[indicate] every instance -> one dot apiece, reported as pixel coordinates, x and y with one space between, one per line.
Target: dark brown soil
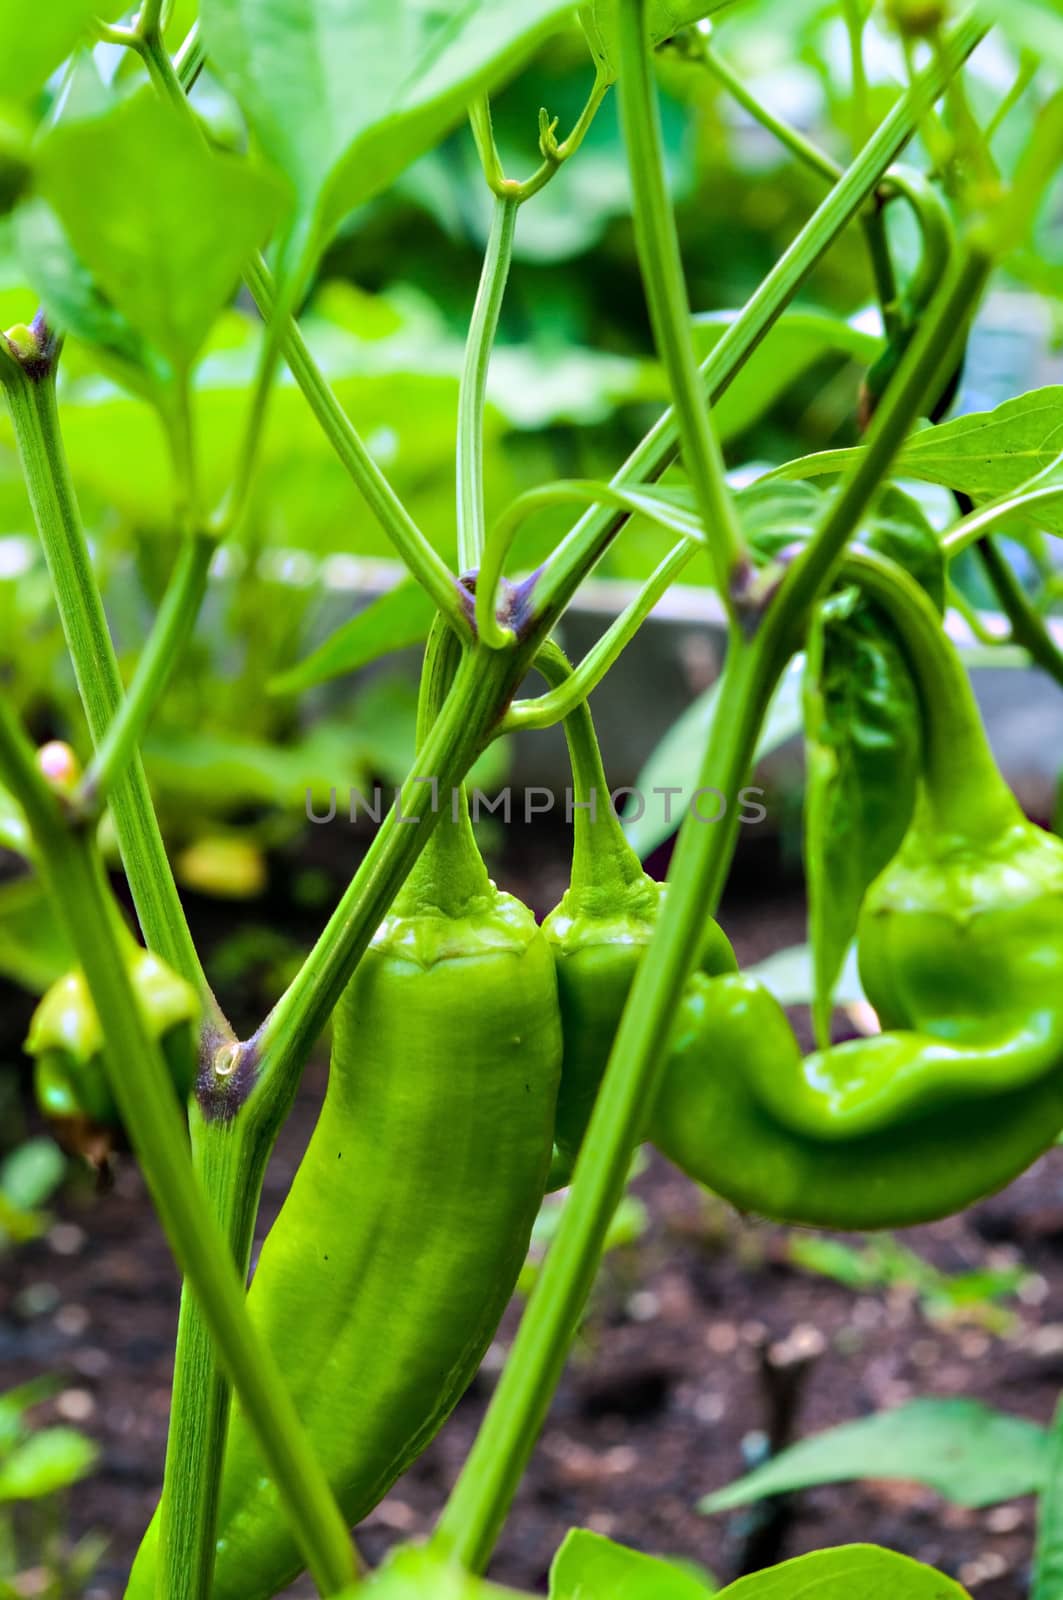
665 1388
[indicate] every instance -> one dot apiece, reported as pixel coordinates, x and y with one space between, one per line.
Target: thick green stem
473 391
141 1086
966 793
230 1164
591 536
969 529
170 632
662 274
34 414
477 1508
603 862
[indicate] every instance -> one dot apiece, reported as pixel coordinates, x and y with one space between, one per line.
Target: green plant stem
479 1503
472 393
430 570
854 27
1027 625
169 634
424 563
1048 1549
963 785
574 686
819 162
661 265
805 151
230 1161
34 414
984 635
141 1086
483 683
603 862
591 536
672 516
969 529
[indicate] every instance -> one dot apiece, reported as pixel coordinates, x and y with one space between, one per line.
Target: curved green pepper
65 1038
960 945
599 931
383 1279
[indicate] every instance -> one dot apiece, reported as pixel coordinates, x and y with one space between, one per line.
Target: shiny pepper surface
960 946
66 1040
598 933
384 1277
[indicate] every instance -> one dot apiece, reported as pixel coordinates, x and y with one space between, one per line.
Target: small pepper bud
67 1042
60 766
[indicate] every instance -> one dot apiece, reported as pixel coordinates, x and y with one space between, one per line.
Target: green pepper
960 944
599 931
65 1038
383 1279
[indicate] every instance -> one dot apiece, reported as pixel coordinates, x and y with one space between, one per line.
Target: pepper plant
478 1060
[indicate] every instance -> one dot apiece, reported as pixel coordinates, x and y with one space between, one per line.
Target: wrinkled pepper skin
960 947
386 1273
597 949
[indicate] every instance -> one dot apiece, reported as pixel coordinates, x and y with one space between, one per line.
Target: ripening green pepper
598 933
383 1279
65 1038
960 944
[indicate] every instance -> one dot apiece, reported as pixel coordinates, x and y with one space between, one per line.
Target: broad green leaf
968 1453
984 454
676 761
663 19
140 194
342 96
73 299
590 1567
397 619
33 949
14 1403
863 758
54 1459
35 38
855 1570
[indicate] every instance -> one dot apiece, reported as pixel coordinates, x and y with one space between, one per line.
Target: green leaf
863 757
73 300
139 194
31 1173
590 1567
35 38
984 454
968 1453
46 1462
852 1570
676 761
14 834
343 96
33 948
663 19
400 618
